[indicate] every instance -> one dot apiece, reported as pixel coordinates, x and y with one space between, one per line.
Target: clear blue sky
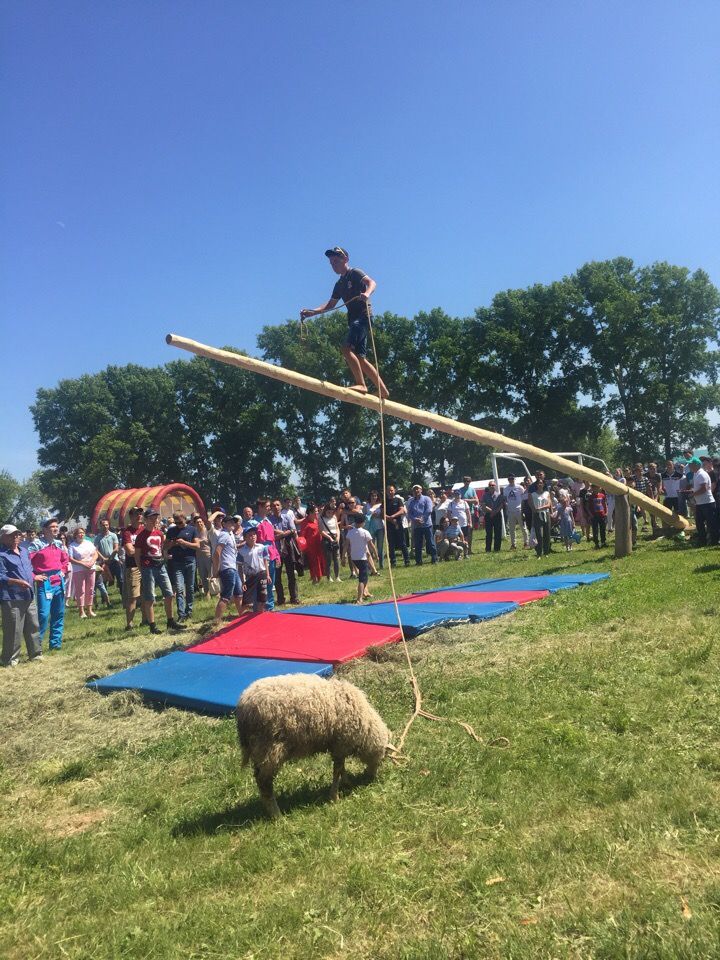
174 165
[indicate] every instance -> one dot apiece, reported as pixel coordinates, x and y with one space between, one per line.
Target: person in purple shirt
419 513
17 599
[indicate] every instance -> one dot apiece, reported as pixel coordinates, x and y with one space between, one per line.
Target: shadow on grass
244 816
707 568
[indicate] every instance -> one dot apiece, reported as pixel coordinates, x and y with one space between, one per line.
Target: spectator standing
83 557
583 515
17 599
597 502
514 500
131 581
225 568
50 563
670 481
298 509
375 525
459 510
541 506
705 515
107 545
442 507
204 555
567 522
360 542
253 564
419 511
151 559
183 544
330 534
285 541
394 513
266 535
310 529
470 497
492 504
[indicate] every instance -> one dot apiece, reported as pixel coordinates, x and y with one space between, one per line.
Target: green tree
654 349
531 366
117 428
9 489
234 445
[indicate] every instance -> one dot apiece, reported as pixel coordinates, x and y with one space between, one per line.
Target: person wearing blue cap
355 289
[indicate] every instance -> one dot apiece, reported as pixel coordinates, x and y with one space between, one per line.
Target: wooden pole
431 420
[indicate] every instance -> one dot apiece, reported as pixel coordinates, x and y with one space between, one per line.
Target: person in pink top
83 557
266 535
50 562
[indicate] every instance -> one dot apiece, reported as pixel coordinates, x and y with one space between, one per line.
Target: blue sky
182 166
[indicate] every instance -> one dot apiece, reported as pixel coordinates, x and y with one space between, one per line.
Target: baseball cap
151 513
47 521
7 529
226 518
694 462
337 252
251 528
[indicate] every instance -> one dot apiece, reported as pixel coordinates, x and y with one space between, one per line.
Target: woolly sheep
298 715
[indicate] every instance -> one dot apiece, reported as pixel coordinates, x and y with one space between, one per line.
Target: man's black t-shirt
351 285
393 505
188 533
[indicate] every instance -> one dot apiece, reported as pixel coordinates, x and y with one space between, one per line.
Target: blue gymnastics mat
209 683
551 583
416 617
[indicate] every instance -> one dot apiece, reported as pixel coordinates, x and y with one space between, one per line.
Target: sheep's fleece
297 715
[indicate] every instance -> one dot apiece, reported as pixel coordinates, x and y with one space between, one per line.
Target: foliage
616 361
22 503
654 345
9 489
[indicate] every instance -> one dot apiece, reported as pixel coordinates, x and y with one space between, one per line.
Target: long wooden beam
431 420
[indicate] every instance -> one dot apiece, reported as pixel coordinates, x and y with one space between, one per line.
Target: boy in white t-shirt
253 560
359 541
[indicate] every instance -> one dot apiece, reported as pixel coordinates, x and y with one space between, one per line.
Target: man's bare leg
355 369
369 370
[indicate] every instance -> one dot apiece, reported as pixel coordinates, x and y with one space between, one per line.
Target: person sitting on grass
225 568
150 556
253 561
361 542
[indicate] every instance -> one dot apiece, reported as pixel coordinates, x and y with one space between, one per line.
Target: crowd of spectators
251 558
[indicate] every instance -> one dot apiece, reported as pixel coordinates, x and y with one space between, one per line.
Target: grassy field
586 825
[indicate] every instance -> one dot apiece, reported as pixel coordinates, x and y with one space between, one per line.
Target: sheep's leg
264 781
338 771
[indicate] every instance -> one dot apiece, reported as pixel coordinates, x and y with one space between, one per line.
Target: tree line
616 360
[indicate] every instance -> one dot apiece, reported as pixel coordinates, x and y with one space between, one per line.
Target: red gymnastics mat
282 636
470 596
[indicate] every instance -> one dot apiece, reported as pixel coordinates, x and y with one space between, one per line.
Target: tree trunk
623 527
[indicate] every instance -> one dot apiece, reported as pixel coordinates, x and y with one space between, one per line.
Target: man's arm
370 287
316 311
216 560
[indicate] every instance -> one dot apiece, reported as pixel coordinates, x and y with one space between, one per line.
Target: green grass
592 830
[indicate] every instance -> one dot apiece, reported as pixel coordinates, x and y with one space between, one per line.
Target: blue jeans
423 536
379 538
182 575
51 609
270 605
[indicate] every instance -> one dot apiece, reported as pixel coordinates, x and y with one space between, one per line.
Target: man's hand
305 313
40 578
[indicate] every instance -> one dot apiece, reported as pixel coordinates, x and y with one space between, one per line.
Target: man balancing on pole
355 289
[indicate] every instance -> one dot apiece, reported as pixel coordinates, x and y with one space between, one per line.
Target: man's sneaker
174 625
154 628
129 626
38 656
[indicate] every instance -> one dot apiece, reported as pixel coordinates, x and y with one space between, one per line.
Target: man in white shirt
705 514
443 506
514 495
360 541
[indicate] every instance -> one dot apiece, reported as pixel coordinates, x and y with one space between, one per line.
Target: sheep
298 715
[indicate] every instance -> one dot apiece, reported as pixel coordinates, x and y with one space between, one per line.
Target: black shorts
363 570
255 591
357 337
